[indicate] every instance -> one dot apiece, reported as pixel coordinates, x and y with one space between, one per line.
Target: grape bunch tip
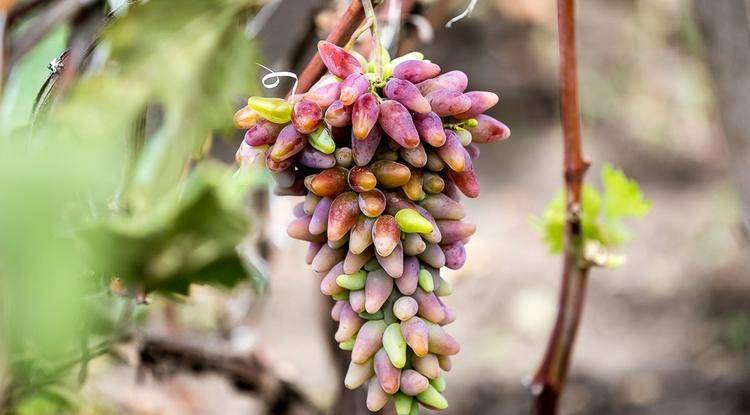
381 156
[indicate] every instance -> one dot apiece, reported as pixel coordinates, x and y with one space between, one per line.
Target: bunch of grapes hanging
381 150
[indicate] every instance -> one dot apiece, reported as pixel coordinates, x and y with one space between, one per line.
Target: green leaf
601 214
191 237
552 224
623 197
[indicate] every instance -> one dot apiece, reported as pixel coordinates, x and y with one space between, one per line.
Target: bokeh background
667 333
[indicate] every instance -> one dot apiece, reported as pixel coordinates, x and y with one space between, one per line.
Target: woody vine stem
549 380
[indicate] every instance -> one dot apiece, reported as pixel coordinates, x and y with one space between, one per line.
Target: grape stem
375 31
549 381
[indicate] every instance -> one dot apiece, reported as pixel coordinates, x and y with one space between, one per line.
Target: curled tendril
464 14
273 79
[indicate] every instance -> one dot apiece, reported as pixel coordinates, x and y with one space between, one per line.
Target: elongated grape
262 133
408 95
432 398
324 95
411 221
299 229
416 71
369 340
364 150
326 258
361 234
246 118
395 345
427 365
356 300
441 206
407 284
372 203
288 144
310 157
377 398
413 383
352 87
432 183
447 102
488 130
354 262
365 114
390 174
398 124
454 80
358 374
455 230
276 110
416 334
430 128
349 324
416 156
405 308
361 179
413 244
481 101
322 141
319 221
338 61
453 153
466 181
385 235
330 182
440 342
343 215
339 115
455 255
388 375
393 264
413 188
429 306
328 284
306 116
378 287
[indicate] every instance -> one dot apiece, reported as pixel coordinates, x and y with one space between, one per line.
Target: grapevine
381 150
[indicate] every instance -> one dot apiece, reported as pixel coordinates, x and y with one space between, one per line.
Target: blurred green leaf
157 225
190 237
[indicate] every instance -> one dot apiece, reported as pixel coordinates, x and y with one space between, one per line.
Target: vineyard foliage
86 198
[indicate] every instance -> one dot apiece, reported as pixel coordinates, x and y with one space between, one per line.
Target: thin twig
4 64
22 10
549 380
60 11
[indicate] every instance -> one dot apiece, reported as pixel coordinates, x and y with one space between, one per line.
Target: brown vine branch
353 16
246 373
549 380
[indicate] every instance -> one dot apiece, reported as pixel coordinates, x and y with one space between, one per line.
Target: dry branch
248 374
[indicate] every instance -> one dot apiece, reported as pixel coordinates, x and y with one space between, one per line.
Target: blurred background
664 93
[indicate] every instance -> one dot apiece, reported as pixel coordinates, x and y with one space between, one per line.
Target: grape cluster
381 156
